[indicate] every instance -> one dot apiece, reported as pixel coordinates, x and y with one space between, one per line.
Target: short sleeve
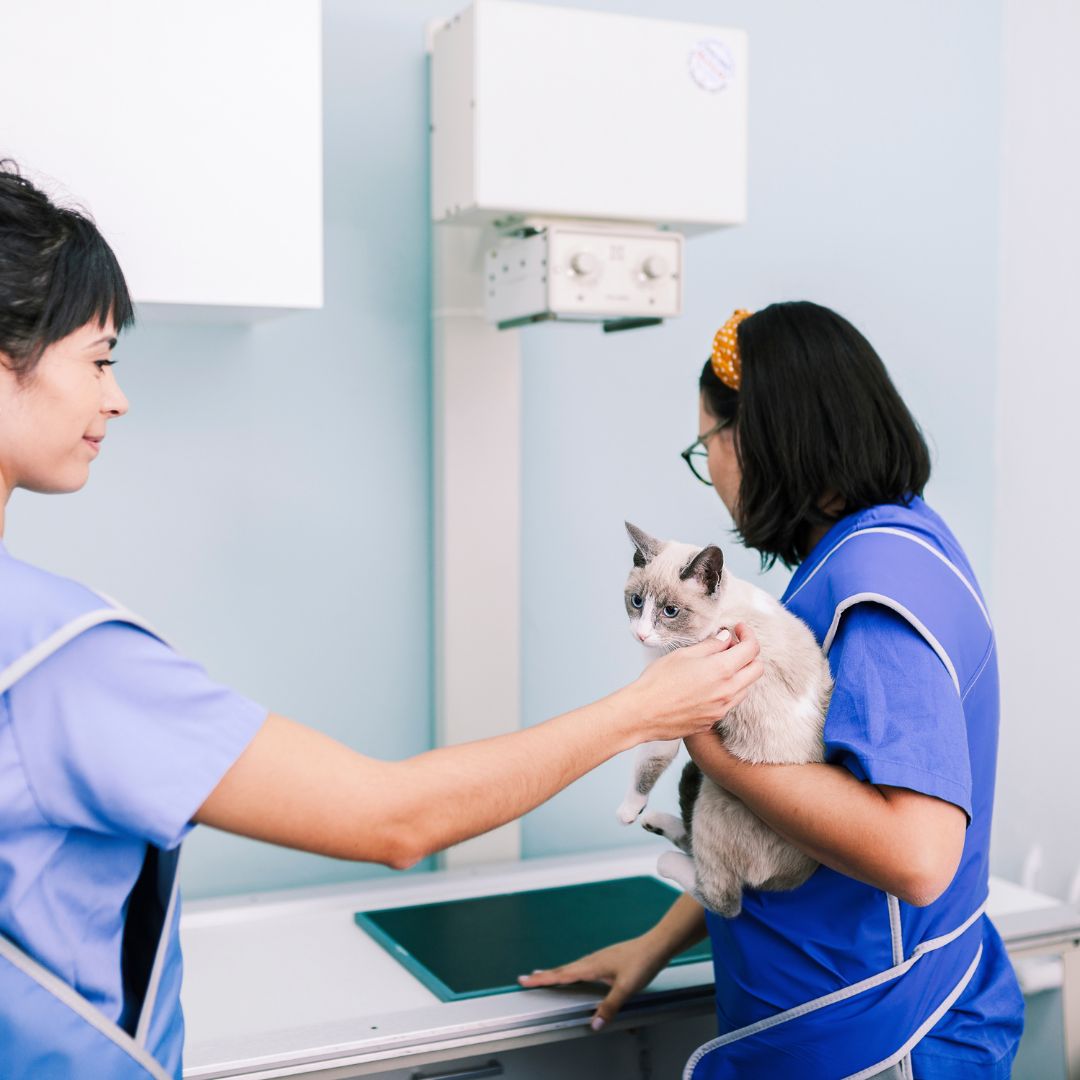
895 717
117 733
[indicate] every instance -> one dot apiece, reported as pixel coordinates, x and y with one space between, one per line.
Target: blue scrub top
895 718
108 746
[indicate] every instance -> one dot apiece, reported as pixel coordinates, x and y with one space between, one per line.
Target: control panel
584 273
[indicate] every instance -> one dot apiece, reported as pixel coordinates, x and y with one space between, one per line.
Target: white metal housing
543 110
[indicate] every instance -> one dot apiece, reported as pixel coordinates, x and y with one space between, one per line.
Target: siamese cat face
673 591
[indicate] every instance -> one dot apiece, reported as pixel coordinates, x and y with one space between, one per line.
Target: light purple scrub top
109 745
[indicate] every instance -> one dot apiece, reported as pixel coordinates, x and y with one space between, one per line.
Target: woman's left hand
627 967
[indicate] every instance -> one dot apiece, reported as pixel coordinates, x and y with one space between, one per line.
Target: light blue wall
873 189
266 502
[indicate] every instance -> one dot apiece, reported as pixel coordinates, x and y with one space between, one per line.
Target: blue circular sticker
712 65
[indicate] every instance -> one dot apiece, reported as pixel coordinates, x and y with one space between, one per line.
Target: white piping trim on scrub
923 1028
129 615
932 944
889 602
896 933
907 536
849 991
937 555
59 638
142 1031
979 670
895 929
77 1003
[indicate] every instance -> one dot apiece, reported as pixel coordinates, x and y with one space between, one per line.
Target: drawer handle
479 1072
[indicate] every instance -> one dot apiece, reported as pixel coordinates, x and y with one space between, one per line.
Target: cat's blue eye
670 611
636 601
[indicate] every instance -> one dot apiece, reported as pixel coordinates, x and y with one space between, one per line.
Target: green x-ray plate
471 948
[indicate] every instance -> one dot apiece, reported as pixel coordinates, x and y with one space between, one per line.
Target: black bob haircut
57 273
816 418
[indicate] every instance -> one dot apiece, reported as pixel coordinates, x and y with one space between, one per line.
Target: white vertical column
477 469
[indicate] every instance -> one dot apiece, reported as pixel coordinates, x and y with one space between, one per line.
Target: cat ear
647 547
707 566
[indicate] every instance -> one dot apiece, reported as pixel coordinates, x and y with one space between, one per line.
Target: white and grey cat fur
678 594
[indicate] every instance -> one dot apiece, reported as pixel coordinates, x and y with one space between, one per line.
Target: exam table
286 985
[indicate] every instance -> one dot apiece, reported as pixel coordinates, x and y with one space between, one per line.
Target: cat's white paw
630 808
677 867
666 825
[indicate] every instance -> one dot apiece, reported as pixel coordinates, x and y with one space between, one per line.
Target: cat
678 594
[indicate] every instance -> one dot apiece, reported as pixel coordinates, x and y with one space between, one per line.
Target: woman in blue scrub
112 745
883 963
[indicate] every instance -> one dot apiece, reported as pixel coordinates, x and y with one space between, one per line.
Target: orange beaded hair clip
726 362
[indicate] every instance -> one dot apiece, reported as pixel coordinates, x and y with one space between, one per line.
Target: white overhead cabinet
191 131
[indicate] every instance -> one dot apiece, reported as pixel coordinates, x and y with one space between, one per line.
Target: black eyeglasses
696 455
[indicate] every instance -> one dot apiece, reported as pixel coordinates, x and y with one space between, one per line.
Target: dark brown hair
57 273
816 415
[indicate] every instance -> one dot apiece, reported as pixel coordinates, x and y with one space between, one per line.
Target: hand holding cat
691 689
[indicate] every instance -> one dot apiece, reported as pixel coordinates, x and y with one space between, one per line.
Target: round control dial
584 264
654 267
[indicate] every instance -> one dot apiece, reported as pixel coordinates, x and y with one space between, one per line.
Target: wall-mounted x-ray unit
571 153
586 144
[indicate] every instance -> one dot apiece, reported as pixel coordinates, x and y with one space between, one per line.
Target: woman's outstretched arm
299 788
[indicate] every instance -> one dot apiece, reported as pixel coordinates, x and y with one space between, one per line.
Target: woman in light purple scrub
112 746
